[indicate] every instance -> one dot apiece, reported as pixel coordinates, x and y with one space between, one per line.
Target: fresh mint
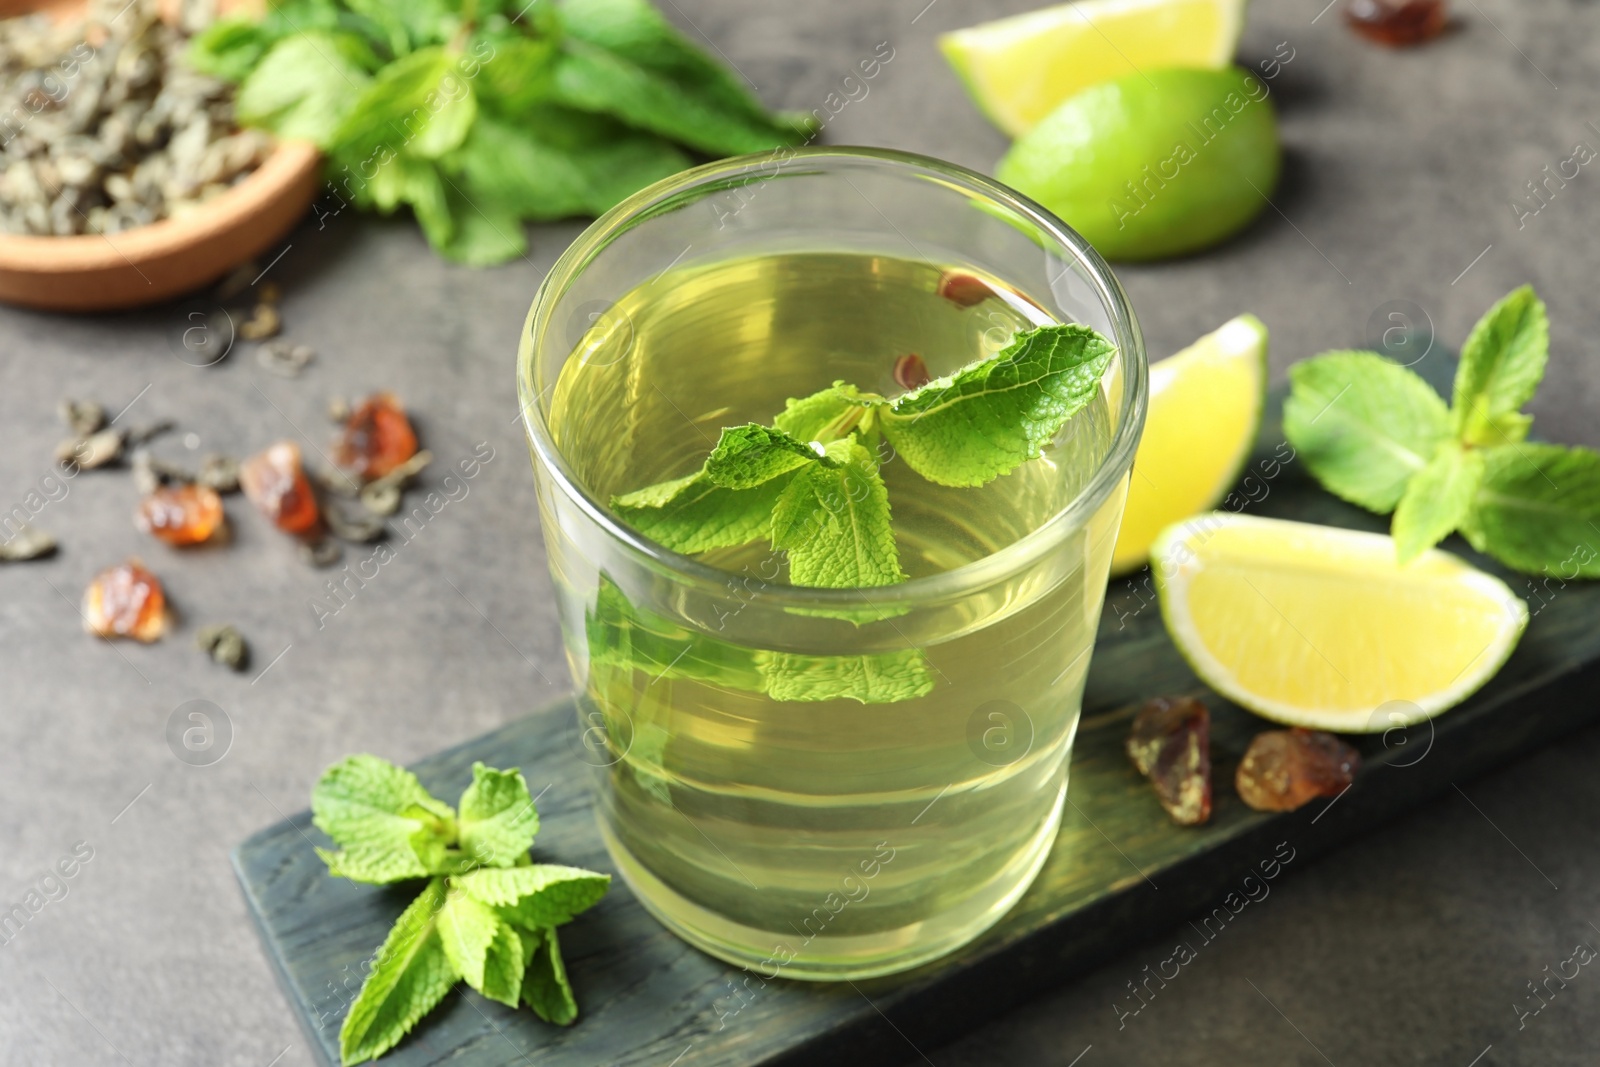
487 915
831 512
1376 434
480 115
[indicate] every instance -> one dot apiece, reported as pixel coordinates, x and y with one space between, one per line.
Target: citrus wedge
1205 411
1019 68
1319 627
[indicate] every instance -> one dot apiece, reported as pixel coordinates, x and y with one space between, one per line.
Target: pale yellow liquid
824 839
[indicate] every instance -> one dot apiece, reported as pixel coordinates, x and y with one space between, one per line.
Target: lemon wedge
1019 68
1319 627
1205 411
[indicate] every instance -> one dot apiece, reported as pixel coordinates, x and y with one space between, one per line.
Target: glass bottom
771 954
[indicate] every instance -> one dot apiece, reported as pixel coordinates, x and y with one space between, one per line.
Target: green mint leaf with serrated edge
1363 424
1502 364
833 522
751 455
1436 500
388 827
497 819
545 987
694 515
410 974
303 87
879 678
539 895
988 419
1537 510
826 415
420 106
466 927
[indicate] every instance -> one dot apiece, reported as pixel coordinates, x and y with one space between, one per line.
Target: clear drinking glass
770 783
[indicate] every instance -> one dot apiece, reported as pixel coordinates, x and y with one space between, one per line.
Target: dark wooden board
1120 873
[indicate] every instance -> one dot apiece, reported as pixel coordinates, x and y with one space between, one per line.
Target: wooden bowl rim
285 165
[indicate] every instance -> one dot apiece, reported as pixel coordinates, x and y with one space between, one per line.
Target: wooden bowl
149 264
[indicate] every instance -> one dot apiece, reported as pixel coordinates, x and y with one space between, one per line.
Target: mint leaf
466 929
594 79
1364 425
988 419
623 58
420 106
752 455
545 987
389 827
627 638
1501 366
410 974
1538 510
539 895
833 522
880 678
304 87
497 820
228 48
826 415
504 965
694 515
519 77
1436 500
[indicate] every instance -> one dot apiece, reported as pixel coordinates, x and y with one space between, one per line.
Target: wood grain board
1120 872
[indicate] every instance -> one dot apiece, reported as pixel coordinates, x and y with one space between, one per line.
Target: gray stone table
1409 947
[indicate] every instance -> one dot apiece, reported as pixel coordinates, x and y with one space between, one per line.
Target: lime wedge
1205 410
1319 627
1019 68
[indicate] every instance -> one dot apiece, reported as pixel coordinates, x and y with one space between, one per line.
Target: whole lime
1156 164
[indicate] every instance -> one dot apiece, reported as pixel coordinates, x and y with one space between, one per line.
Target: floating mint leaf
752 455
880 678
1502 364
1538 510
545 987
833 522
1363 424
991 417
828 414
1436 500
387 825
693 515
497 819
410 974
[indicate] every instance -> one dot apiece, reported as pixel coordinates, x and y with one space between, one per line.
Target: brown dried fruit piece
1397 23
1170 744
377 437
910 372
125 601
1285 769
963 289
180 514
276 484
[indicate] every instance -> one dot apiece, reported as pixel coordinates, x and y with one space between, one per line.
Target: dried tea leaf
225 645
284 358
264 322
338 409
357 528
29 542
142 434
381 499
93 451
83 417
220 473
323 553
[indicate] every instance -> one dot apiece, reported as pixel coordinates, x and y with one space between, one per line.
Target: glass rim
968 577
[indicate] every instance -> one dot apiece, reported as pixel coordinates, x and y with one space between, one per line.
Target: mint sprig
487 914
1376 434
480 115
810 482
